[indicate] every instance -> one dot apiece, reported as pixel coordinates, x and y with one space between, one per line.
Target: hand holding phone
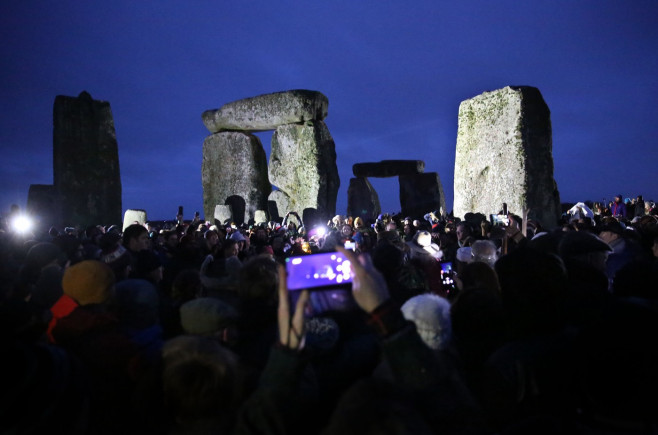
448 277
369 286
291 329
325 270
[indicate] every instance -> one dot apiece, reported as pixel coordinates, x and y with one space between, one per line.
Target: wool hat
390 236
431 315
205 316
137 303
42 254
147 261
464 254
237 236
613 227
322 333
580 242
88 282
422 243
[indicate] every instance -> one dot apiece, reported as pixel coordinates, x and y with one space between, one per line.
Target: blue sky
394 73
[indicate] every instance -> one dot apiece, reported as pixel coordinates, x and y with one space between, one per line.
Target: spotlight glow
21 224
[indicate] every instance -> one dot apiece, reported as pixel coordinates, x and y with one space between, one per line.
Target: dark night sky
394 73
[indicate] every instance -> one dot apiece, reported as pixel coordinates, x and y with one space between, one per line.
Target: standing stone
234 171
86 161
267 112
362 199
421 194
223 213
388 168
133 217
303 167
504 154
260 217
278 204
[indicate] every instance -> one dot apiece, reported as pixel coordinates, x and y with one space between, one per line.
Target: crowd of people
481 325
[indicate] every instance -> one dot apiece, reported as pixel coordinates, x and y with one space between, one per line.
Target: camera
322 271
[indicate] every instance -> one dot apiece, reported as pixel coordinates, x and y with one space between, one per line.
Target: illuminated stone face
302 162
504 155
303 166
267 112
234 172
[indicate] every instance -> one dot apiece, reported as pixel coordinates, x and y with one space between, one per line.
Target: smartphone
322 271
350 245
499 220
448 276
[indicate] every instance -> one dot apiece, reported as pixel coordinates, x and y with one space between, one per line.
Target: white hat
464 254
422 244
431 315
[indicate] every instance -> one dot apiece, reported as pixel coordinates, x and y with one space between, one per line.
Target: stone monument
87 181
302 163
420 192
504 155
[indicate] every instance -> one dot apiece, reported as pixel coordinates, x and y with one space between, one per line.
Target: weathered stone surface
133 216
388 168
86 161
260 217
279 204
420 194
267 112
43 201
362 199
223 213
234 171
303 166
504 154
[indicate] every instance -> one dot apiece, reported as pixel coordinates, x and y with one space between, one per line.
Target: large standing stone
388 168
132 216
234 171
362 199
86 161
267 112
223 213
421 194
278 204
260 217
303 166
504 155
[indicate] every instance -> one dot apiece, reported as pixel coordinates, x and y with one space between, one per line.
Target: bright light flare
22 224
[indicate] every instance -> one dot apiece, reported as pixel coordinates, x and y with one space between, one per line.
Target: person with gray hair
484 251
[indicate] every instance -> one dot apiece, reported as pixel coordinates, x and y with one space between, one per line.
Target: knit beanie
205 316
431 315
42 254
88 282
137 303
